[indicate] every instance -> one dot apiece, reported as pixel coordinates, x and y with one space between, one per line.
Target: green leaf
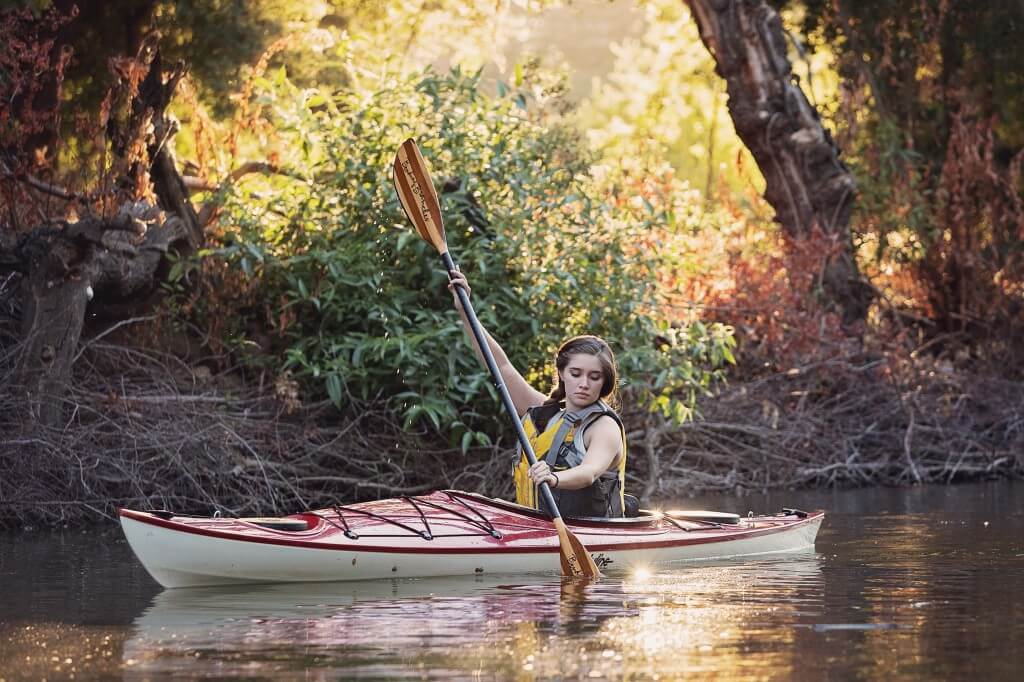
334 388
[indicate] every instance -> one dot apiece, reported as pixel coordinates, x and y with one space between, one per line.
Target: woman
578 439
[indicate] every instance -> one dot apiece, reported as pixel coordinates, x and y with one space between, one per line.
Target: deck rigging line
483 524
342 524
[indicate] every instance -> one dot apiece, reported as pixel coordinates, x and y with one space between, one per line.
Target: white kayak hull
184 560
177 556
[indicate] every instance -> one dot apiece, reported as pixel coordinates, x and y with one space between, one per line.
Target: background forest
210 299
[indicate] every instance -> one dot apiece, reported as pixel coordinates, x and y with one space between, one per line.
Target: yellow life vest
565 428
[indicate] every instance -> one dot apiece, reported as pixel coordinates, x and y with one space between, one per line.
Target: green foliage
664 98
891 217
320 258
930 118
221 39
923 59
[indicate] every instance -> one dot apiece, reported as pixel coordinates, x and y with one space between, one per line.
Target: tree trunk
114 259
811 190
54 310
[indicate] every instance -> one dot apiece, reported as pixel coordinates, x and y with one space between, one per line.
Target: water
922 583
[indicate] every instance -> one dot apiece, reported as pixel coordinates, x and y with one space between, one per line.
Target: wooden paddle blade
576 560
417 194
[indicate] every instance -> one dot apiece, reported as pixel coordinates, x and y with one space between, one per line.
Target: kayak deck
445 533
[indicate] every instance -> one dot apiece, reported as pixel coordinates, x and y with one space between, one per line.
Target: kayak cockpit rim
646 517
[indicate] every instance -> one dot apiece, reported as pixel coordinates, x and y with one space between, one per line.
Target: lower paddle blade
575 559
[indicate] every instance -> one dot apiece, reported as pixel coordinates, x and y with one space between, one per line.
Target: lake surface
918 583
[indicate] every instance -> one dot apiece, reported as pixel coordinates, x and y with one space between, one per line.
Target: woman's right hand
456 278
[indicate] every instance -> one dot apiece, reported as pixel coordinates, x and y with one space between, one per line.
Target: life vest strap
586 416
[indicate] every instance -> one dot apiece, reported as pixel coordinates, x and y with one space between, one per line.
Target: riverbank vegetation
210 299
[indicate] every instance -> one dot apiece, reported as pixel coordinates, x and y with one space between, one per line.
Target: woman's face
582 379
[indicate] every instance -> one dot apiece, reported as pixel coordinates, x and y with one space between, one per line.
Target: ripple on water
909 593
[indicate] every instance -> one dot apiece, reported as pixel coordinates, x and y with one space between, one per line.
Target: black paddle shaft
499 383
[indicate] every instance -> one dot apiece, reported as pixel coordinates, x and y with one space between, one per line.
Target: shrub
317 273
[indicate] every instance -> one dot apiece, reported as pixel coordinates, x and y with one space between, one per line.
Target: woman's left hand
541 473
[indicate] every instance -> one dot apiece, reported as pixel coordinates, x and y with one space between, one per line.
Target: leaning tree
811 190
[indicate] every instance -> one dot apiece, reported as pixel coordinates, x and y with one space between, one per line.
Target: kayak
446 533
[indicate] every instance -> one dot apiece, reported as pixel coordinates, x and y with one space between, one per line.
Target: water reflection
925 583
55 650
499 626
369 626
704 621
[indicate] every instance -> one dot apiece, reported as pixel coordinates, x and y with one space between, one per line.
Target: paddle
419 199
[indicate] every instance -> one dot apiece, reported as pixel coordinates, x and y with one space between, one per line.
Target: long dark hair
591 345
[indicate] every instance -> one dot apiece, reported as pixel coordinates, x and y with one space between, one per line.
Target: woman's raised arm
524 396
